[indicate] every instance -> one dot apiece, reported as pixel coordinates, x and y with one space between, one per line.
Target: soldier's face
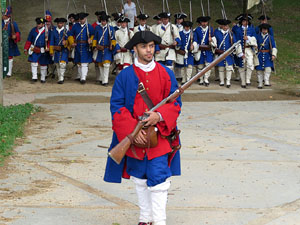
245 23
60 25
158 21
82 21
179 21
187 28
103 22
264 31
72 20
145 52
165 21
124 25
39 26
143 22
224 27
204 24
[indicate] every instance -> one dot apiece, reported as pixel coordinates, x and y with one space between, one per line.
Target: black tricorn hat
123 19
223 21
99 13
60 20
40 20
187 24
264 26
142 37
180 15
104 17
143 16
164 15
72 15
116 15
245 17
156 17
263 17
82 15
203 19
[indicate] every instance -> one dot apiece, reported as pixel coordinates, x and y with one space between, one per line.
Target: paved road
240 166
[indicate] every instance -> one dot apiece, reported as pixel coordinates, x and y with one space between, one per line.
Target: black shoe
98 82
34 80
248 84
60 82
236 79
268 85
243 86
82 81
206 84
179 80
77 79
221 85
201 83
259 87
105 84
8 76
217 79
43 81
228 85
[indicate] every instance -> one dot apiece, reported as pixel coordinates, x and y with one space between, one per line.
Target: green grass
12 120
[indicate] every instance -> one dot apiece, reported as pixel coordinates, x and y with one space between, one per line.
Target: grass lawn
12 120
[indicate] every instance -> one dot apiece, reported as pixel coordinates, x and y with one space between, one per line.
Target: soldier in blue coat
203 55
49 29
264 19
36 47
185 58
81 37
14 35
222 41
58 48
246 33
104 43
267 52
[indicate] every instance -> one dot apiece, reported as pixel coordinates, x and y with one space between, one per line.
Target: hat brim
142 37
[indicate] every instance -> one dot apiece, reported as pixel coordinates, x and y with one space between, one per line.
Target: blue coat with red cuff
13 44
127 105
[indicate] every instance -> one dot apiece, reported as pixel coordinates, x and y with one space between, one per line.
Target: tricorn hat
164 15
180 15
143 16
264 26
203 19
40 20
187 24
263 17
99 13
82 15
60 20
123 20
142 37
223 21
156 17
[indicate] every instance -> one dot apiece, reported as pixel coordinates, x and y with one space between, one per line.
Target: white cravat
146 68
186 32
59 30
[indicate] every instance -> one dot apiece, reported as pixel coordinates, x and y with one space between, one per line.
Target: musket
118 152
191 12
167 4
208 8
191 19
12 27
102 4
108 26
75 6
46 28
203 13
138 2
164 8
87 27
180 6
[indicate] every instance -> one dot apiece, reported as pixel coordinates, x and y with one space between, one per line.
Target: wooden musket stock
118 152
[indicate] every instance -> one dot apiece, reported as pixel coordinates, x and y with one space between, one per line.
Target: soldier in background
185 58
104 42
84 34
223 39
142 23
203 54
158 22
263 19
169 34
36 47
49 29
14 35
58 48
246 33
115 24
123 56
267 53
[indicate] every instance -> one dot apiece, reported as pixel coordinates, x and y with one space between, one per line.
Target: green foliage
12 120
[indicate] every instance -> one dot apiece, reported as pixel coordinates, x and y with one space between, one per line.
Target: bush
12 120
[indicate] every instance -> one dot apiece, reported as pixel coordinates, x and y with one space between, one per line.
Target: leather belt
81 42
264 50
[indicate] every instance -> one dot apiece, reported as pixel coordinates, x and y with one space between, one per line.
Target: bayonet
138 3
164 8
223 9
191 12
75 6
180 7
167 4
208 8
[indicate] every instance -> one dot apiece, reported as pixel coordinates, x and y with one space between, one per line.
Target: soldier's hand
152 120
175 43
245 38
119 50
210 39
74 45
64 42
273 57
90 41
243 57
14 37
26 52
192 47
141 137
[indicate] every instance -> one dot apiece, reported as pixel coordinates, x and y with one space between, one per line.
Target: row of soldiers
182 47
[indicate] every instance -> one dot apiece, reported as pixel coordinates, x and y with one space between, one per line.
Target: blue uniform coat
265 58
206 56
56 40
